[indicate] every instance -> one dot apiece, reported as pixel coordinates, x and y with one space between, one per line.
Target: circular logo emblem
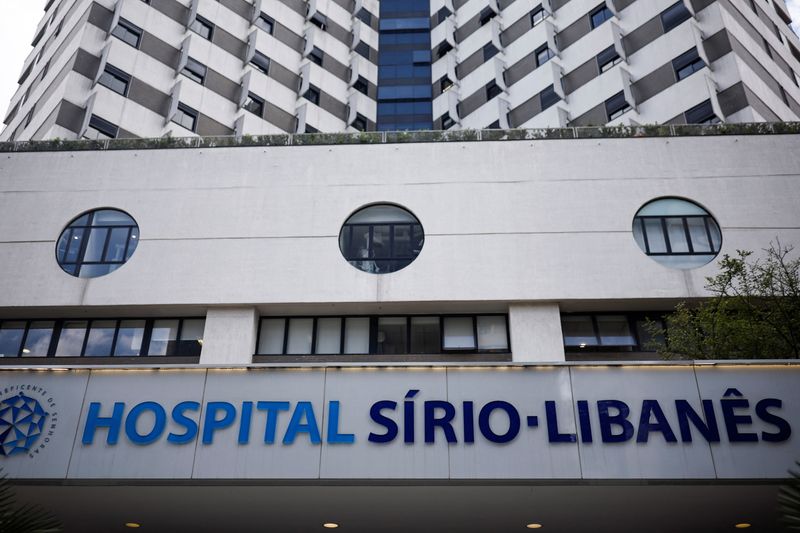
22 422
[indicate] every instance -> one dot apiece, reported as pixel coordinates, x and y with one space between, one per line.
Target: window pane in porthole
116 244
425 335
402 241
578 331
271 340
687 226
97 243
94 248
698 234
655 236
329 333
191 341
458 333
163 337
129 338
37 343
111 217
615 330
11 338
70 342
381 242
300 333
391 336
356 336
677 235
101 338
76 241
492 334
381 239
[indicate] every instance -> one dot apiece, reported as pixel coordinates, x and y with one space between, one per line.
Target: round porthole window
381 238
677 233
97 243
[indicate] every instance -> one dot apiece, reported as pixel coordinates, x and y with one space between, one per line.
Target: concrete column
536 332
230 336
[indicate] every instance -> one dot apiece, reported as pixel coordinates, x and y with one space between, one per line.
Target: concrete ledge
395 137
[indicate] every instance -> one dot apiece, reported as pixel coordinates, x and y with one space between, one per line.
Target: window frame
373 331
191 71
632 318
187 111
205 23
144 355
603 10
130 28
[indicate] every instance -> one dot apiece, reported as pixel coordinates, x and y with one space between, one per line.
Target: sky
18 23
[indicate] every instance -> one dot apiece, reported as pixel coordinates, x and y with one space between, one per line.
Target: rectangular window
459 333
599 16
299 336
164 337
128 32
361 85
254 104
265 23
383 335
674 16
312 95
356 336
37 339
100 129
194 70
261 62
607 59
319 20
548 97
616 106
190 341
70 341
543 55
11 334
316 56
489 51
425 335
202 27
492 333
538 15
609 332
101 338
687 64
329 336
391 338
492 90
486 15
702 113
185 116
129 338
270 340
115 79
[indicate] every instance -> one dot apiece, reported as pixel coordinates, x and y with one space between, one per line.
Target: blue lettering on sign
498 422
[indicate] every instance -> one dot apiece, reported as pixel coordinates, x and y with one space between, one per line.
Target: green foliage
754 313
789 501
25 518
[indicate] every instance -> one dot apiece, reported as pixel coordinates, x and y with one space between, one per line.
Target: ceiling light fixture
534 526
743 525
133 525
330 525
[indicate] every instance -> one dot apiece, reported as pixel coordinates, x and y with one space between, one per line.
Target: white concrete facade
750 74
527 228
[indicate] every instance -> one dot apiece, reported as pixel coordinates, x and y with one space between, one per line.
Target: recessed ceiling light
534 526
330 525
743 525
132 525
25 350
